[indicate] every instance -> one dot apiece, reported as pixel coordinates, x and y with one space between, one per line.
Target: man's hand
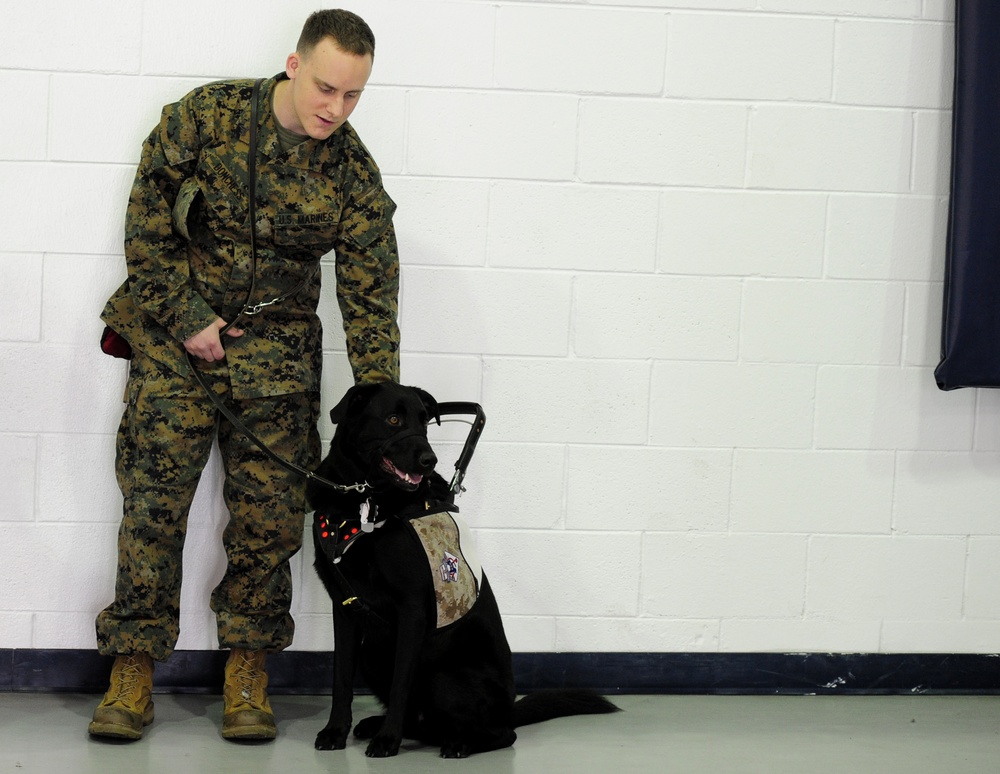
207 345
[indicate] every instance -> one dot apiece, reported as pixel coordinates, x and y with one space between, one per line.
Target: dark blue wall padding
307 672
970 336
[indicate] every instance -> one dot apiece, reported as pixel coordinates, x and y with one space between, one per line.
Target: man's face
326 85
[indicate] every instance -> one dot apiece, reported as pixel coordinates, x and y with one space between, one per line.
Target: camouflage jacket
187 245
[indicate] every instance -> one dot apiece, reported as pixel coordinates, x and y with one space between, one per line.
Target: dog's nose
428 460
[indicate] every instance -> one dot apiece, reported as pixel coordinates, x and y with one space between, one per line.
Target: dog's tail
559 703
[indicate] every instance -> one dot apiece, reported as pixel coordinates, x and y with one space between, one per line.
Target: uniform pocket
126 447
185 208
309 221
223 184
314 233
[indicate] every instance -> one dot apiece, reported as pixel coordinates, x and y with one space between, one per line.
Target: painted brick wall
688 255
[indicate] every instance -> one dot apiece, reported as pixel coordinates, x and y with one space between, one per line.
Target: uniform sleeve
367 272
155 254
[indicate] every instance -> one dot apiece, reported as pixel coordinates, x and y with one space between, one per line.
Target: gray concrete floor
912 734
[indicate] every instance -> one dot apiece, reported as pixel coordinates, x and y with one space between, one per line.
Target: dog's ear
356 396
429 403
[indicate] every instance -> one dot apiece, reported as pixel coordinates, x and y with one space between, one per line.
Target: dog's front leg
409 640
347 640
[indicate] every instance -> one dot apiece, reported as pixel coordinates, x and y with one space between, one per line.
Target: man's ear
292 65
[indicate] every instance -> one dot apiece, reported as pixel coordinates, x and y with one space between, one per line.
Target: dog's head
382 428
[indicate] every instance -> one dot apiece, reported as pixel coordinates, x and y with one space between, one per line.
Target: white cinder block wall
688 255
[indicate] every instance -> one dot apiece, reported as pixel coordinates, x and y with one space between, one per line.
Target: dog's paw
383 747
367 729
331 739
456 750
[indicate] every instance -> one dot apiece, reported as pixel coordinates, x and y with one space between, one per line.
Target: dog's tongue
410 478
415 479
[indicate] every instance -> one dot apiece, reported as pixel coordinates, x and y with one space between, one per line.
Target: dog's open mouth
405 480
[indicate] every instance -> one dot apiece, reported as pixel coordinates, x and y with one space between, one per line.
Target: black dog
441 668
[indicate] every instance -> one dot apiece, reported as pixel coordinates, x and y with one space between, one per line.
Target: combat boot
246 710
128 705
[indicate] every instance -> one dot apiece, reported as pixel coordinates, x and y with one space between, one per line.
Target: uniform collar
305 155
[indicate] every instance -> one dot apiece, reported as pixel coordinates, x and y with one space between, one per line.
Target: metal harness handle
461 465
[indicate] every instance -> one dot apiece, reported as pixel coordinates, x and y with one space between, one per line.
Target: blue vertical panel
970 337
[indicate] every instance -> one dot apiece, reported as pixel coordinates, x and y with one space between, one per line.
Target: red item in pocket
112 343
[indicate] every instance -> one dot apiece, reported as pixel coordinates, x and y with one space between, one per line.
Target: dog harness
443 536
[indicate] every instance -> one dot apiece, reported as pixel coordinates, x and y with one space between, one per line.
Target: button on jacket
187 245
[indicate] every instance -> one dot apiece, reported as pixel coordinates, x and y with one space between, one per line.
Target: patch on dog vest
452 562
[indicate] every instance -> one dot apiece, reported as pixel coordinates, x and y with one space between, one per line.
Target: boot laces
127 678
248 677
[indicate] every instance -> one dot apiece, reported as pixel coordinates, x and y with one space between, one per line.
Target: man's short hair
348 30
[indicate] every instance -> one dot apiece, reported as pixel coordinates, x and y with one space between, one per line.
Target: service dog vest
446 541
452 562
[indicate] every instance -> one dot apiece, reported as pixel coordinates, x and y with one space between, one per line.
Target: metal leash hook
361 486
250 311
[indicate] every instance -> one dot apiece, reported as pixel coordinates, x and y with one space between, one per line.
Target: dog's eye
393 420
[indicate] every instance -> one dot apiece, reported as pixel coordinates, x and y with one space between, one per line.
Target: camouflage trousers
164 441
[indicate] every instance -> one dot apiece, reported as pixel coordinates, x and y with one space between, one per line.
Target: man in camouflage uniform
187 246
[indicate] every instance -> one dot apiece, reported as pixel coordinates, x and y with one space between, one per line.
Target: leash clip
257 308
250 311
311 475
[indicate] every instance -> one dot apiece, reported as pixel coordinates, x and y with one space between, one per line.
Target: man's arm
155 254
368 296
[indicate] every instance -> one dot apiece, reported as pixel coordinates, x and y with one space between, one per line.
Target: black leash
236 422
